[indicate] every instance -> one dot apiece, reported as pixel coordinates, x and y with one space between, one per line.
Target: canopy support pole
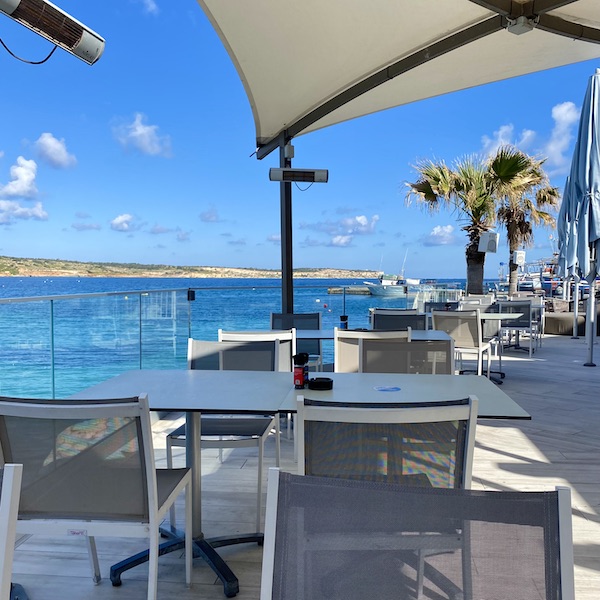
287 270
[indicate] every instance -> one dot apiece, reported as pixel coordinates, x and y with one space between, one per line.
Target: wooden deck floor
559 446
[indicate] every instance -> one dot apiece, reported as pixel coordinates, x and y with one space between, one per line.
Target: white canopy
308 64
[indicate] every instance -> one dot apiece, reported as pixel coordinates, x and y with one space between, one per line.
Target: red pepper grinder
300 366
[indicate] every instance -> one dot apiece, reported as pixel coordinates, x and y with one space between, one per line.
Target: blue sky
146 156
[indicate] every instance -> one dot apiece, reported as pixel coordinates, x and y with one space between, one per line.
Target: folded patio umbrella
579 217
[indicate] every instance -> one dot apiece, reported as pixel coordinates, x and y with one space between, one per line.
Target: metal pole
575 305
287 270
590 317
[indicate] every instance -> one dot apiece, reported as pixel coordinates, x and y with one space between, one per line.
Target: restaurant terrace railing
54 346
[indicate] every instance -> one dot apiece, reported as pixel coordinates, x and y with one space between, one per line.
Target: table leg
203 548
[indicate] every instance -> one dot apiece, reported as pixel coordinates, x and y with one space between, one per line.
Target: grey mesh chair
412 443
228 431
348 343
286 338
88 469
10 492
432 357
465 327
302 321
350 540
384 319
523 323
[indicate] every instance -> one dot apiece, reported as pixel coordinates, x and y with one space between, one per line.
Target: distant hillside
42 267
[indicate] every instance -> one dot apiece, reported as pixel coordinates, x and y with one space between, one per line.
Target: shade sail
310 64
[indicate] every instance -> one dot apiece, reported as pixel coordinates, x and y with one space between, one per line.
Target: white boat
396 286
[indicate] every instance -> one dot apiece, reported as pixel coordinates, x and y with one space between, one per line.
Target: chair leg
259 482
277 441
153 564
189 549
172 515
93 556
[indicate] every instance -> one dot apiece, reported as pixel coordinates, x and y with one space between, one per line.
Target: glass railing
55 346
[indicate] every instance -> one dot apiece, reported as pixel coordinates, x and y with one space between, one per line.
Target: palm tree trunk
475 264
513 272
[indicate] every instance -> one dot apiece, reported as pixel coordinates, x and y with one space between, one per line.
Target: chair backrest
398 320
433 357
464 326
10 491
347 345
233 356
516 306
416 443
484 299
430 306
82 459
285 337
316 528
300 321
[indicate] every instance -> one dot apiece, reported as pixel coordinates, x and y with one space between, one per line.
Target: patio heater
286 176
58 27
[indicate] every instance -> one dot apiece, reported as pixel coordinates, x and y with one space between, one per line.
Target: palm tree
466 189
522 192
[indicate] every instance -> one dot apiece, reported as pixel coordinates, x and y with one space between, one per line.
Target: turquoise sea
75 332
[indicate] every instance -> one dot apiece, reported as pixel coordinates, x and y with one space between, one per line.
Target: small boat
396 286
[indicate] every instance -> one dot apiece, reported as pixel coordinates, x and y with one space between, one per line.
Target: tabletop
247 392
394 387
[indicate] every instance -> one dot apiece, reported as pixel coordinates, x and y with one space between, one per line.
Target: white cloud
11 210
341 241
440 235
183 236
274 239
54 151
566 117
159 229
86 226
210 216
125 223
142 137
360 225
22 183
150 7
505 135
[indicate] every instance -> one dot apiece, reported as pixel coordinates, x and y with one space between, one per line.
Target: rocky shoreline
40 267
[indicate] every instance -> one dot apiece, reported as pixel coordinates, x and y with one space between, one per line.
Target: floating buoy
317 300
324 305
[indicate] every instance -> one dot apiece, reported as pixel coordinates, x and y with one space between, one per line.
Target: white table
252 392
362 387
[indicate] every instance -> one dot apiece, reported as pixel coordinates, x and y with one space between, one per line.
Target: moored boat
396 286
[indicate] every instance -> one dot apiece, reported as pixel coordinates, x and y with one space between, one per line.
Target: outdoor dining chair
10 492
225 430
88 470
431 357
521 324
387 319
412 443
285 337
343 539
348 344
303 321
465 327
